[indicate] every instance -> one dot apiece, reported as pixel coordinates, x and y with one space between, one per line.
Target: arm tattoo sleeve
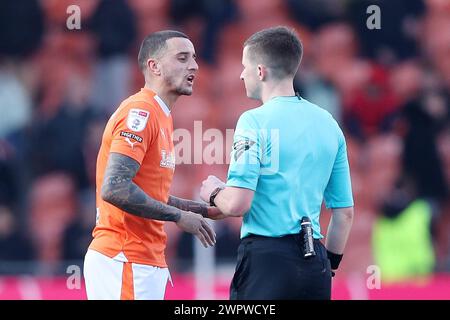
189 205
119 189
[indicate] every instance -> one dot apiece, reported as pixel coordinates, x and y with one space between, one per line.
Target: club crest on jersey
167 160
137 119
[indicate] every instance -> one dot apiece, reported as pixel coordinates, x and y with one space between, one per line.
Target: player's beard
181 88
184 90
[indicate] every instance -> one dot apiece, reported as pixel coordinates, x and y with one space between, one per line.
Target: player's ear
154 67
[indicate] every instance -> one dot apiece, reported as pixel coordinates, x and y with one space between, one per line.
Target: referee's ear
262 72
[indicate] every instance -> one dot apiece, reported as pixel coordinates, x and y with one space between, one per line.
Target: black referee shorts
274 269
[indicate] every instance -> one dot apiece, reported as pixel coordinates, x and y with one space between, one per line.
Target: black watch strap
213 196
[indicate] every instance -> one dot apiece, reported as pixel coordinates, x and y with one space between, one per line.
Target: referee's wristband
213 195
335 259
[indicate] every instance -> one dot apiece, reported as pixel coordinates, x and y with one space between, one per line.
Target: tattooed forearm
189 205
119 189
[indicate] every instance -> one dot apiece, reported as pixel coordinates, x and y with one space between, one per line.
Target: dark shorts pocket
242 267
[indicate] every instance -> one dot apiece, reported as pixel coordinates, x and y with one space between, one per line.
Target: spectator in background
354 90
214 13
401 239
18 40
15 100
54 140
55 143
396 39
9 188
406 80
77 235
316 13
334 50
21 27
53 204
371 104
424 118
12 200
423 115
91 144
436 38
113 24
14 246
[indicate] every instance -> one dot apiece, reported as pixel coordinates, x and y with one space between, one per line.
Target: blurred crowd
388 88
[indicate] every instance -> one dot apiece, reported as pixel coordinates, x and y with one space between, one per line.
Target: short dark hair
278 48
154 43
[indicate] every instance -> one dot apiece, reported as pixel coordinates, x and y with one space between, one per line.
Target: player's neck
168 98
282 88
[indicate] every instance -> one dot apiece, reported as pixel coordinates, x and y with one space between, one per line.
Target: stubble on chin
179 89
184 91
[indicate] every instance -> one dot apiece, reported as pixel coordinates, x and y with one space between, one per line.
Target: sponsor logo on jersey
130 135
167 160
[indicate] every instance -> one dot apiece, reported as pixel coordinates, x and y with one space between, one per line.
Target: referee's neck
280 88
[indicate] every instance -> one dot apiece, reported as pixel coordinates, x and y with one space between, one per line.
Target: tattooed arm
201 208
189 205
119 189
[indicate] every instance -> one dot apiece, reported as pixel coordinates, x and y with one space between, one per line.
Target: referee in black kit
288 156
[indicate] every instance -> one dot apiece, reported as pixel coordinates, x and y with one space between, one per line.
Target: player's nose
193 65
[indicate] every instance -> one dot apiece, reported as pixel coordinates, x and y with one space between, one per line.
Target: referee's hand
208 186
335 260
198 226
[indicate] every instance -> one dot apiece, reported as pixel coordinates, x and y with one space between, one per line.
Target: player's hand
197 225
215 214
208 186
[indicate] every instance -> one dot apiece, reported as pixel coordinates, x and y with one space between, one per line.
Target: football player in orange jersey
135 166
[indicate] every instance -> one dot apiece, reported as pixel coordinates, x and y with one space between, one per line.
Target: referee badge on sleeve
240 146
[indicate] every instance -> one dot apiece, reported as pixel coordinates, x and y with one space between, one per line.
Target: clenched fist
208 186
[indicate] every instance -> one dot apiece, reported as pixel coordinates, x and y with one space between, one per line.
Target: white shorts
112 279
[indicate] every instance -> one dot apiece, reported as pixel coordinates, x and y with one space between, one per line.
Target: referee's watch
213 196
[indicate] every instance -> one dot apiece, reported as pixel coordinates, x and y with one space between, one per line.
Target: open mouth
190 79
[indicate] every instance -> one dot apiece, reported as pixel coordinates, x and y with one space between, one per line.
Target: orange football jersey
141 128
